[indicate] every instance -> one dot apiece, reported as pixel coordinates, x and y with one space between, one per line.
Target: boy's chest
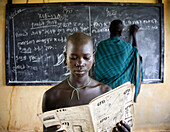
75 98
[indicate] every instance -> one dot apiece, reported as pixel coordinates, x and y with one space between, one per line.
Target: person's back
112 58
116 61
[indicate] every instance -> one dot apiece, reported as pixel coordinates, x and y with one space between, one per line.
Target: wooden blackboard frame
8 32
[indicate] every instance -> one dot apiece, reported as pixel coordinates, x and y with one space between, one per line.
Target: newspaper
100 115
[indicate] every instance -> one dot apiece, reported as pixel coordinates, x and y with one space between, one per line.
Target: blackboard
36 36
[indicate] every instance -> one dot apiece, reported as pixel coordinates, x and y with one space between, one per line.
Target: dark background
36 36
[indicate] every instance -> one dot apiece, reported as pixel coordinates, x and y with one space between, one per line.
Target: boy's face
79 57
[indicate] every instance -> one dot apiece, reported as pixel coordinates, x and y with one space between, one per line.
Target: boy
117 61
78 88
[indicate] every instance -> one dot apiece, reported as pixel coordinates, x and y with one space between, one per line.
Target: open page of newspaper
112 107
71 119
100 115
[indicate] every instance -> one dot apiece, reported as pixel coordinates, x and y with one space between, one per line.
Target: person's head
79 53
116 28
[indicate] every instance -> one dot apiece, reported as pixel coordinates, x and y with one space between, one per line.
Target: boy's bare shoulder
54 92
103 87
56 88
51 96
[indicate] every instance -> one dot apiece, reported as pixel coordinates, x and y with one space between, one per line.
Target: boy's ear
65 58
94 52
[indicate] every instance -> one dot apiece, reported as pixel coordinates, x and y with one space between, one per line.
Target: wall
20 104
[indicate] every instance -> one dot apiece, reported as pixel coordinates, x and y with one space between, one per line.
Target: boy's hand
133 29
58 127
121 127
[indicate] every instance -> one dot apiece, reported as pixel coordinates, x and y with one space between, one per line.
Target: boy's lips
79 71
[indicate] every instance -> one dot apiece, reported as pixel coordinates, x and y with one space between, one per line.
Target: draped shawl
117 62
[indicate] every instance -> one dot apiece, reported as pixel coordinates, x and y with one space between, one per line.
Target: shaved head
116 27
78 38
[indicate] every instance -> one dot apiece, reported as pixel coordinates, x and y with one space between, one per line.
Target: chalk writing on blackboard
36 36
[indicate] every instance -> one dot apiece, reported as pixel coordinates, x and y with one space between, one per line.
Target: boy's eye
73 57
87 57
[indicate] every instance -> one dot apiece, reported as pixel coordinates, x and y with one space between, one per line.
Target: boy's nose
80 62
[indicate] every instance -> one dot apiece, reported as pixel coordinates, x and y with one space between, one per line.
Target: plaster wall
20 104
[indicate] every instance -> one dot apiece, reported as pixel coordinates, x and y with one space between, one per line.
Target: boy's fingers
60 131
121 128
58 127
123 123
115 129
134 28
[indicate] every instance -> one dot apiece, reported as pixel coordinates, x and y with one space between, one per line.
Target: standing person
116 61
78 88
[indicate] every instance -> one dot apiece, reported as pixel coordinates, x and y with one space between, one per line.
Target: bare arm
133 30
47 105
